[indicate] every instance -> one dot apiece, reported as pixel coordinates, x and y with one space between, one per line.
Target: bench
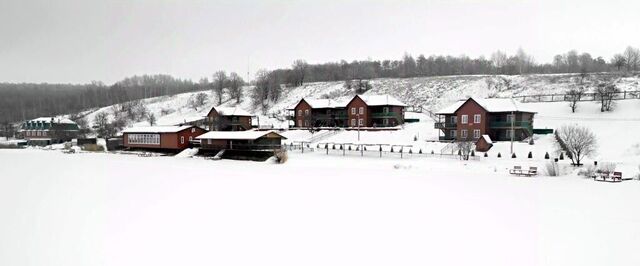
517 170
607 176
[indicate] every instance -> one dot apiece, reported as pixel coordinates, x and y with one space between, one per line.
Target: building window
385 109
353 111
463 134
190 138
181 139
464 119
476 133
299 122
360 122
353 121
385 121
306 112
306 123
361 111
299 112
193 130
476 119
148 139
454 119
209 141
452 133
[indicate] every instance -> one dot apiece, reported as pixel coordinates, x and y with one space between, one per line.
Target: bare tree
102 125
299 70
235 86
197 101
464 147
219 83
618 61
260 92
573 96
632 58
606 92
152 119
577 141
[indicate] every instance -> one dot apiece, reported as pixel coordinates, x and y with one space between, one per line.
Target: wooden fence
562 97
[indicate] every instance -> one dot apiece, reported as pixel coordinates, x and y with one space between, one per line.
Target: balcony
508 124
385 115
442 125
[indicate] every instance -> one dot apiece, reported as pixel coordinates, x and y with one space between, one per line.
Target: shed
241 140
170 138
484 143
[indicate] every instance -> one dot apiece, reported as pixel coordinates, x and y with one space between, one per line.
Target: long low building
162 138
241 140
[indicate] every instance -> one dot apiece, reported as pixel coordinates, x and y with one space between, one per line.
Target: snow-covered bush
551 169
607 167
588 172
281 156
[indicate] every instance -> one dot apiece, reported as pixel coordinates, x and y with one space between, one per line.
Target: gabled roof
156 129
237 135
58 120
322 103
231 111
492 105
380 100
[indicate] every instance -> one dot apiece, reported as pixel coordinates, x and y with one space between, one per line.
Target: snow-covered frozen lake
317 209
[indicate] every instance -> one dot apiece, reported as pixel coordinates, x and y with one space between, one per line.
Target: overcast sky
76 41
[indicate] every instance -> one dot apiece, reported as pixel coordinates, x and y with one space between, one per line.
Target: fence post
625 95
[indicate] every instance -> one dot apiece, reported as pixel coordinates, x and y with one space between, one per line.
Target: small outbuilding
241 140
161 138
484 143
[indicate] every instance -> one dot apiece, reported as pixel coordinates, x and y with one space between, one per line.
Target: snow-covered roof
239 135
232 111
487 139
381 100
58 120
492 105
155 129
325 103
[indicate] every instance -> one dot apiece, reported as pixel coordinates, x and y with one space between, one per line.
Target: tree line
23 101
499 63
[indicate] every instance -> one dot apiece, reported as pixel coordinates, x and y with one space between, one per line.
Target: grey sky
76 41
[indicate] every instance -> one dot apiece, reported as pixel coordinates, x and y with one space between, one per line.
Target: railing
384 114
245 147
509 124
441 125
589 96
445 138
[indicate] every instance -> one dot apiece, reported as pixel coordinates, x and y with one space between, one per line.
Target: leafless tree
298 72
618 61
102 125
197 101
577 141
606 92
260 92
152 119
219 83
632 58
464 147
235 86
573 96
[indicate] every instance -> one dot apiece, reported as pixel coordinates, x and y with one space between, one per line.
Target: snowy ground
317 209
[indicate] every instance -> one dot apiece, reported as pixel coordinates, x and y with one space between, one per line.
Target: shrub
486 154
551 169
391 148
530 155
340 147
333 147
410 152
561 156
9 146
473 153
420 151
531 141
499 155
546 155
349 147
588 172
513 155
607 167
432 152
92 147
415 138
281 156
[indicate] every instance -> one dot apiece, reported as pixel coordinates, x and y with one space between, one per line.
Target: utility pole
512 132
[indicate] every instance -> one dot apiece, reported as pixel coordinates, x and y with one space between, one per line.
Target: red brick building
359 111
228 119
499 119
161 138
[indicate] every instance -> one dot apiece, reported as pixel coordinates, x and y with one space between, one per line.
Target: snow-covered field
317 209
